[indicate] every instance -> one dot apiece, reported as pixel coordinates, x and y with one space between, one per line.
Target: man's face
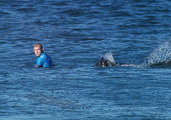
38 51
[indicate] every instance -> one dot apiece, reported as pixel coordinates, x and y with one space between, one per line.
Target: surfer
43 59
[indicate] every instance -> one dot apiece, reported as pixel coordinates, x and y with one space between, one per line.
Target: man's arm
37 65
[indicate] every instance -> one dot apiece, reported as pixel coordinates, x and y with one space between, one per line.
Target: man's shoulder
43 56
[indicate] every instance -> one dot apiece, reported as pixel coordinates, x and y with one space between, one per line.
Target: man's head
38 49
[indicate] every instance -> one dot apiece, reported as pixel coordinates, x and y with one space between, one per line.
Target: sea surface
76 33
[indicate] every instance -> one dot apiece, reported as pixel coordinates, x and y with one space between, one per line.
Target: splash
106 60
161 55
108 56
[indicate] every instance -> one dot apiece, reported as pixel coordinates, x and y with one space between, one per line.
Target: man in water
43 60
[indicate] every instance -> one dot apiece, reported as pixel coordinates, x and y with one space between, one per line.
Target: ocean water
76 33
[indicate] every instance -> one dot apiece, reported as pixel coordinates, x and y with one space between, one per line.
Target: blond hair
38 45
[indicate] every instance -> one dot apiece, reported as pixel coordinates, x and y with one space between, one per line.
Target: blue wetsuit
44 61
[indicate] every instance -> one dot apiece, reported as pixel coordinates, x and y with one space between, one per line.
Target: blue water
75 33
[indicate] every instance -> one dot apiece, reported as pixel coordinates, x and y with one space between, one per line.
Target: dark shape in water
105 62
161 64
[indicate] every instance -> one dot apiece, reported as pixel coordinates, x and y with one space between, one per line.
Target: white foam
108 56
161 54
